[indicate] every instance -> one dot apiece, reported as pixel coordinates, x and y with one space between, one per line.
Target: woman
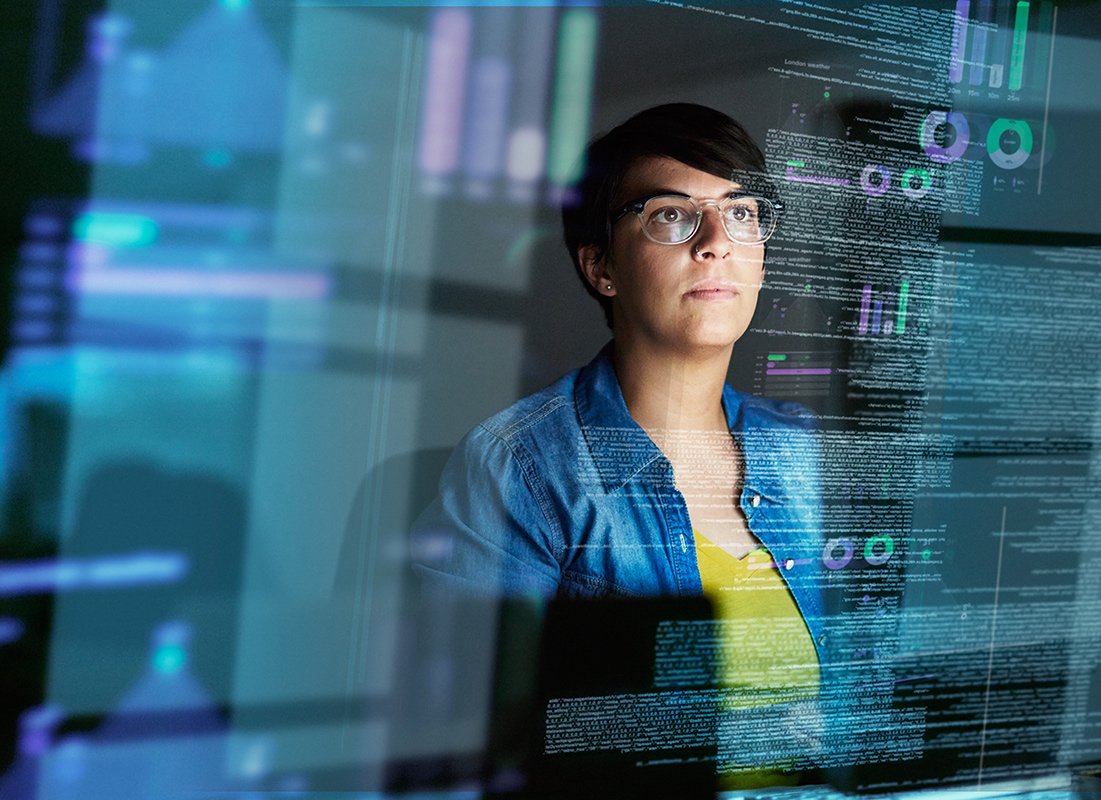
642 473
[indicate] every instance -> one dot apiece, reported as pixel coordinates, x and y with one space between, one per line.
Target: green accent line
777 357
903 299
1017 61
115 230
573 92
797 163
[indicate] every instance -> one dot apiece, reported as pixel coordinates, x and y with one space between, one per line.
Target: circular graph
847 549
875 186
916 183
945 136
881 558
1009 142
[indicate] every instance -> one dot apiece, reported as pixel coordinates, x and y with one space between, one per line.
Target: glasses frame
639 204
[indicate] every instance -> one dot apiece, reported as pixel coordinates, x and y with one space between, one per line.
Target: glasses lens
749 220
670 219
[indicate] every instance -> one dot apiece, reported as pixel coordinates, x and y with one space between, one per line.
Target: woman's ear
595 266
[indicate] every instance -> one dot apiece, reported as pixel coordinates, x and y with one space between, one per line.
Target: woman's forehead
655 174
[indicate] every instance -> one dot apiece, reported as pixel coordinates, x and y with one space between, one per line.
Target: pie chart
955 134
1009 142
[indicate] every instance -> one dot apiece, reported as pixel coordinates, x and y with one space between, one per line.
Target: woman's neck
667 391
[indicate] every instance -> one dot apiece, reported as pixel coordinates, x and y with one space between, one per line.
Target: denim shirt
563 494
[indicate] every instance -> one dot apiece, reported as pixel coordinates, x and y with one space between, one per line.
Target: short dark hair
695 135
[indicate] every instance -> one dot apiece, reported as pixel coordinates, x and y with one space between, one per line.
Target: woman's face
699 294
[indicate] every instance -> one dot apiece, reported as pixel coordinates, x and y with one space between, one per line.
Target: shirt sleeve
487 532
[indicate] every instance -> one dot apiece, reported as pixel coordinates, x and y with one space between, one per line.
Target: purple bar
865 306
448 53
489 96
959 41
67 574
877 316
819 371
200 283
794 562
978 56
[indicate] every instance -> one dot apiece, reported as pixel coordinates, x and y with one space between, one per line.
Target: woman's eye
741 214
669 215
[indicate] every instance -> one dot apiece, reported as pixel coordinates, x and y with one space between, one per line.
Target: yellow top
768 654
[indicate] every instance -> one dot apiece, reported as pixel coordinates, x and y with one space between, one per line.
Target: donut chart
916 192
869 549
1018 129
875 190
951 152
847 548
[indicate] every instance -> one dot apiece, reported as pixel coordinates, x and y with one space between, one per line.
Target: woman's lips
712 291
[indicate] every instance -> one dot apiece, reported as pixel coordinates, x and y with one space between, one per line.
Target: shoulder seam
535 416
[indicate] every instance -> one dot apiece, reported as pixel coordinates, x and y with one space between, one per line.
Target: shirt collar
621 448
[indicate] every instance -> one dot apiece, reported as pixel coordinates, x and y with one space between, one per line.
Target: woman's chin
709 340
700 336
712 330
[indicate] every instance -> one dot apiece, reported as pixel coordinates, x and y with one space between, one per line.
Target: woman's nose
711 238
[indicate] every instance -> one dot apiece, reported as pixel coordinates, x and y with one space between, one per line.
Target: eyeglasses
675 218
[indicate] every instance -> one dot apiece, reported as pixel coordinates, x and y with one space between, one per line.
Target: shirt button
789 563
683 544
756 501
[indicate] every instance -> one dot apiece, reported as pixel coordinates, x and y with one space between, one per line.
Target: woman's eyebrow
737 191
658 192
